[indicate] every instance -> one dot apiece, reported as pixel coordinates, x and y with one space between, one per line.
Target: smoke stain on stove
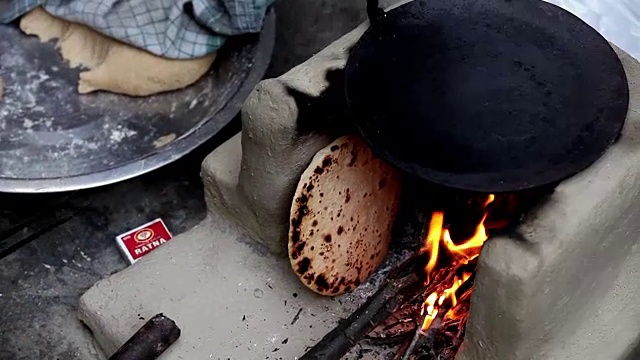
326 113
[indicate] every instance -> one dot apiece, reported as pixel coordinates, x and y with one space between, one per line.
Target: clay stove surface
231 299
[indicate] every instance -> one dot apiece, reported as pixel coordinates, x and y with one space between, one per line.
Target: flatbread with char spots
342 216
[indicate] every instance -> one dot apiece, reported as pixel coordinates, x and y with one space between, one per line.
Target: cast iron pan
486 95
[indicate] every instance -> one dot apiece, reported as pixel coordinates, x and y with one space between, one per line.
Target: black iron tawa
54 139
486 95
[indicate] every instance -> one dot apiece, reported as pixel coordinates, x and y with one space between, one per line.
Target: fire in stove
449 274
422 310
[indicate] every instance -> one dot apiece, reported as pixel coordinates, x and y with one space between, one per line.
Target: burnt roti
342 216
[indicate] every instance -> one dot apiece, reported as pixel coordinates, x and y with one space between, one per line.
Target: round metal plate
486 95
53 139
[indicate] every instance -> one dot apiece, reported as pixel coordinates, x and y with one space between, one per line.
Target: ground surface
66 248
54 247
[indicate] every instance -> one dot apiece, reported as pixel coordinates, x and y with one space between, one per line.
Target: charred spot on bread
303 265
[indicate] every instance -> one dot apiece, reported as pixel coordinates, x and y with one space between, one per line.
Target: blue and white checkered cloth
178 29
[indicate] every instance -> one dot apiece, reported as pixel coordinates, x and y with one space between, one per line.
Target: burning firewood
424 338
450 271
428 324
397 326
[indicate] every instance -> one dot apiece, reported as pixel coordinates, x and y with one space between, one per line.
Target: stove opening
421 309
453 238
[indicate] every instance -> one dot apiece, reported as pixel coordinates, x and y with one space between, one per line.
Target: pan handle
374 11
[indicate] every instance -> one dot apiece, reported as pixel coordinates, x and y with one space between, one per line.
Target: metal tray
53 139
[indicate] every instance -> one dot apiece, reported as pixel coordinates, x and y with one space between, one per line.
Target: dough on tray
113 66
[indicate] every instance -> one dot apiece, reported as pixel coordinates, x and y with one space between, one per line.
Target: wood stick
153 338
403 348
421 338
377 308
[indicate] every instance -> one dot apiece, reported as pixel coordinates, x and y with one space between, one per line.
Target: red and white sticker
142 240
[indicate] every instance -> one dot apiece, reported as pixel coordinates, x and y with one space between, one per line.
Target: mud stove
558 285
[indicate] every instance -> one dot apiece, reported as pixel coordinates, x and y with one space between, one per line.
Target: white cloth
617 20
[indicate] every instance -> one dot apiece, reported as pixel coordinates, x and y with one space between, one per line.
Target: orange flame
444 298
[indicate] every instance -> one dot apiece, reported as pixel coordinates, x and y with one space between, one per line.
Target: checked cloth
177 29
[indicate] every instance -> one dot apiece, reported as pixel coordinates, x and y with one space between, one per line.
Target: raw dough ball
114 66
342 216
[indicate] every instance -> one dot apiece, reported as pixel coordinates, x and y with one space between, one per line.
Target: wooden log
403 348
153 338
393 329
377 308
422 339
